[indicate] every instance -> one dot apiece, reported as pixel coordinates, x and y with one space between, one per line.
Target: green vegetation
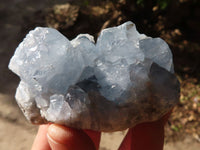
162 4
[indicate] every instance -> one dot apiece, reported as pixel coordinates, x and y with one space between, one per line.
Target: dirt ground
15 133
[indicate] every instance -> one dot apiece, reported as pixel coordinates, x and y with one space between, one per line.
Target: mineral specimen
124 79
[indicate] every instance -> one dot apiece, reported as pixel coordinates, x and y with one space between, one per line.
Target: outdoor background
176 21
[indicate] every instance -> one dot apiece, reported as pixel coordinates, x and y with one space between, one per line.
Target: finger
94 136
64 138
41 142
146 136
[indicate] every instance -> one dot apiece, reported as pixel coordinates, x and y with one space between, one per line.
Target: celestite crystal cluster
123 79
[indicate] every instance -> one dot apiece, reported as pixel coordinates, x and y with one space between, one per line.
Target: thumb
64 138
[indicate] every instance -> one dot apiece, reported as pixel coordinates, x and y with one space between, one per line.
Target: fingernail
62 137
50 140
58 133
55 145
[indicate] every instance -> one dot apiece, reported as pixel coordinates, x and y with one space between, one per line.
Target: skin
141 137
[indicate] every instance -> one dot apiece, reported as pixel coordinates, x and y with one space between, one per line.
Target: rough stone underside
123 79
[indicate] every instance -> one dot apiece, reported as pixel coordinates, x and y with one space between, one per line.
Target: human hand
145 136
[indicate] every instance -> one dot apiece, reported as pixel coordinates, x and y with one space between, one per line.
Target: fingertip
58 133
62 137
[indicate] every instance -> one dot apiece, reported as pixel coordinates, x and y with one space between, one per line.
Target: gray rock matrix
123 79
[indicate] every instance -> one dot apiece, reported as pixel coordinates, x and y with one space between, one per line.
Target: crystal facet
123 79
